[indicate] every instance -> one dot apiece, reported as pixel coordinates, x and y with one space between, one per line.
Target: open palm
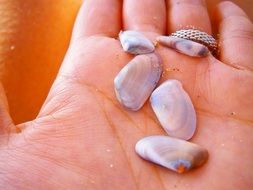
83 139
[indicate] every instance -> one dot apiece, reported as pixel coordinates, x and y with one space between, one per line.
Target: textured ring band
199 37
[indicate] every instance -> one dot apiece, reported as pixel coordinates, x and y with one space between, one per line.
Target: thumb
6 123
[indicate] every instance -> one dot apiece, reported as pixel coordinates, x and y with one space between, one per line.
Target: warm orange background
34 36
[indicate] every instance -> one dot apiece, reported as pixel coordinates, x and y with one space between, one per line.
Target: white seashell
136 81
175 154
174 109
135 42
184 46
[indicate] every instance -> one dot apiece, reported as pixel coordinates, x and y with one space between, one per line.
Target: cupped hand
82 137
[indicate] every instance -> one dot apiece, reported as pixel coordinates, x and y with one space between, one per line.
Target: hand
83 139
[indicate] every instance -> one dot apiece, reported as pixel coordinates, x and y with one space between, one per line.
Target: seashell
136 81
135 42
174 109
175 154
184 46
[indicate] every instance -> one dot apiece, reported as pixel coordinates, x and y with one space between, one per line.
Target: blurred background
34 36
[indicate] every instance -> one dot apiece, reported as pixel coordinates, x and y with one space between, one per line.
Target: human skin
83 139
246 5
31 48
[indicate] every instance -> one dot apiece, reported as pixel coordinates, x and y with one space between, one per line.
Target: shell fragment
135 43
136 81
184 46
174 109
175 154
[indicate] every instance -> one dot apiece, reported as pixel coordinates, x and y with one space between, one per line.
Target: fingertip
100 17
228 8
188 14
145 15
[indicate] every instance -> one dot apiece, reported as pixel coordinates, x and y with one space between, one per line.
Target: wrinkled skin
83 139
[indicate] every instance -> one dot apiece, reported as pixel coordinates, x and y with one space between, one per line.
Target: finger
145 15
6 124
188 14
236 36
183 14
100 17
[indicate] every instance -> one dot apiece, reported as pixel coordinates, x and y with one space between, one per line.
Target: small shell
175 154
136 81
184 46
174 109
135 43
